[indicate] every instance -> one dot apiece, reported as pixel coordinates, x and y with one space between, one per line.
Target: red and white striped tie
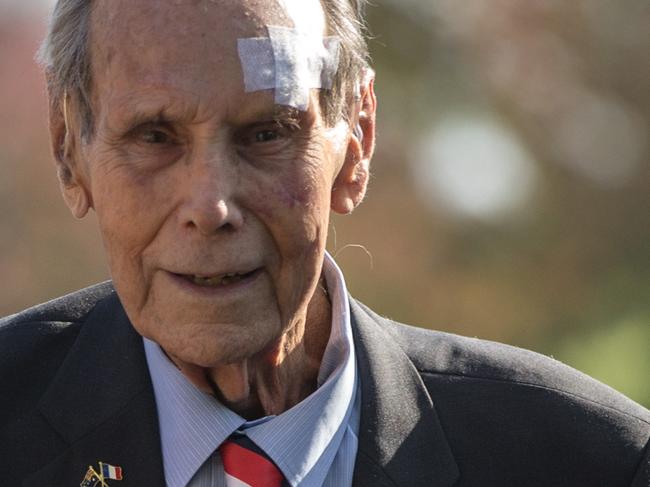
246 465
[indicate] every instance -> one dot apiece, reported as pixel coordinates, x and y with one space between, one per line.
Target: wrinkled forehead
190 45
213 23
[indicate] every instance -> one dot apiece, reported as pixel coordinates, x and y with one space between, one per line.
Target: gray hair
65 56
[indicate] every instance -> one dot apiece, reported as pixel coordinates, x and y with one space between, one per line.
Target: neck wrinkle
278 379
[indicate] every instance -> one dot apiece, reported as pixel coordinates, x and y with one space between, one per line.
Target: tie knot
246 465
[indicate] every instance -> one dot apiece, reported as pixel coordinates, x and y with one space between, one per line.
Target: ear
64 135
351 182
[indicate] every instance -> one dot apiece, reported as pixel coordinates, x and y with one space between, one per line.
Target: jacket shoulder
72 307
527 412
34 343
446 354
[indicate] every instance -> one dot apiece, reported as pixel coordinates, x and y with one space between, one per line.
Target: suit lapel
101 403
401 441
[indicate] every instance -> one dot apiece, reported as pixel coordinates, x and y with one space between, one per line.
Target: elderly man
212 139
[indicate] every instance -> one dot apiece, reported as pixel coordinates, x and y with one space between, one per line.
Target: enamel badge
95 478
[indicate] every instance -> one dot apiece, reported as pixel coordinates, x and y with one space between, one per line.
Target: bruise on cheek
291 195
279 196
301 187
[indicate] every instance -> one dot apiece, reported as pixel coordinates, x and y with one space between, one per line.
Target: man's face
213 203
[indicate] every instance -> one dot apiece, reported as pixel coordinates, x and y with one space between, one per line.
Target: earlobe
351 182
75 198
350 186
74 193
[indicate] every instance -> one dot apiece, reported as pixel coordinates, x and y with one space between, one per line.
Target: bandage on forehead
289 61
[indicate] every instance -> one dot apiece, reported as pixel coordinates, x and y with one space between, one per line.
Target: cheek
301 185
295 197
130 209
291 194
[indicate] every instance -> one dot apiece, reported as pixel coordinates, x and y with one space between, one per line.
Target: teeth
217 280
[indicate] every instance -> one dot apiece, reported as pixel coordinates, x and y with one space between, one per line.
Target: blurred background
510 197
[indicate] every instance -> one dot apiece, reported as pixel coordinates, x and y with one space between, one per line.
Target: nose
210 203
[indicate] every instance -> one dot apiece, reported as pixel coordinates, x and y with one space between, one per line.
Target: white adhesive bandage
291 62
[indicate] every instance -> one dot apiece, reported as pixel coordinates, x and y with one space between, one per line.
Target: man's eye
155 137
266 135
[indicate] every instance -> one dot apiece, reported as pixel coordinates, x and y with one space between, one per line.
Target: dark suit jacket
437 409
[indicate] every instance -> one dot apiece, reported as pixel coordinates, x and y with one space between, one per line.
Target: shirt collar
193 424
304 435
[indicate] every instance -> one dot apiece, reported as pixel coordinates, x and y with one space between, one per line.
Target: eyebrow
159 111
285 112
140 117
145 111
277 113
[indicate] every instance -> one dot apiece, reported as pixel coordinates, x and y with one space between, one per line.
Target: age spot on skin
290 197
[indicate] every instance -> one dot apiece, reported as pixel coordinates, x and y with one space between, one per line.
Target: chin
212 344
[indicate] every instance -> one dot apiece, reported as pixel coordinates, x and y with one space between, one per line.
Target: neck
278 377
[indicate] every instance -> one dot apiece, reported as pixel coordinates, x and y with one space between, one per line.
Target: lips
217 280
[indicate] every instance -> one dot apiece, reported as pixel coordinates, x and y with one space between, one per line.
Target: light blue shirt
314 443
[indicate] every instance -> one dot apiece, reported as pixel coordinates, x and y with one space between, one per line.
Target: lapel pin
106 472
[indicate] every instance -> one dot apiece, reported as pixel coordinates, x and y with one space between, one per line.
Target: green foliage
617 354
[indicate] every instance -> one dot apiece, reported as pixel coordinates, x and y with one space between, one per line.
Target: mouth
219 280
